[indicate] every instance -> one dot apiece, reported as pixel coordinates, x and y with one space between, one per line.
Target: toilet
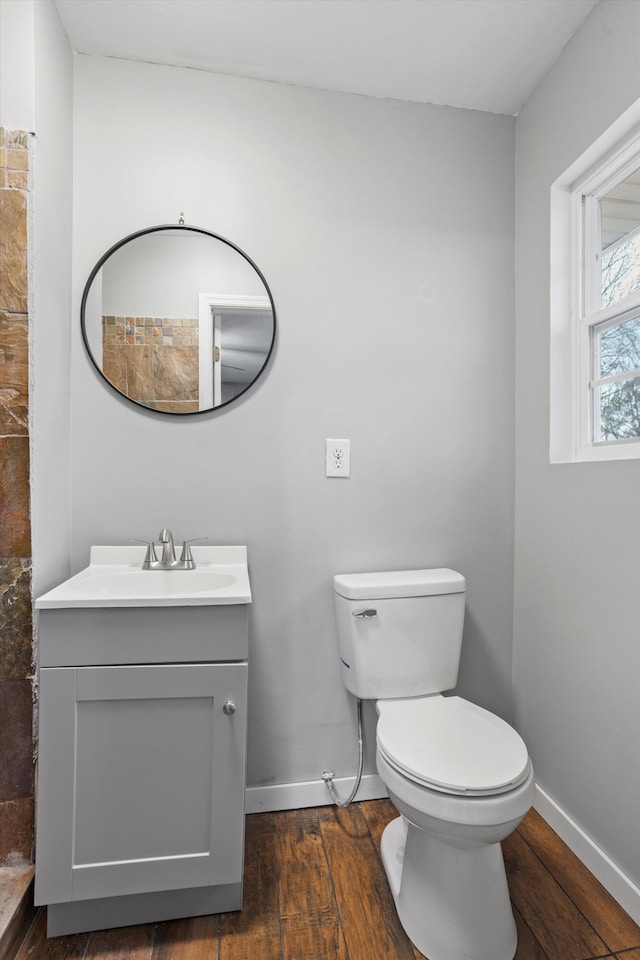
460 777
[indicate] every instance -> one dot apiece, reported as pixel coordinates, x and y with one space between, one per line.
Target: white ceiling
481 54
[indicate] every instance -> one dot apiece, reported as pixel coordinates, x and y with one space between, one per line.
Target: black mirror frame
157 229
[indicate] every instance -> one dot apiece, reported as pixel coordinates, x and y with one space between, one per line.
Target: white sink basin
170 583
115 578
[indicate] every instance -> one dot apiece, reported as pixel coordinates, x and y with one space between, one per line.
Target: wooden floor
315 889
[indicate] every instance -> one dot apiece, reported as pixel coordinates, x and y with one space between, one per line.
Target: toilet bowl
460 777
458 798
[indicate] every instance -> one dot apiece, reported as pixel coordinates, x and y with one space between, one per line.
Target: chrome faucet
165 537
168 560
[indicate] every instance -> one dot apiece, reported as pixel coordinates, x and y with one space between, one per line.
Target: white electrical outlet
337 460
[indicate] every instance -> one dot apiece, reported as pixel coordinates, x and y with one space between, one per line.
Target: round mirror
178 320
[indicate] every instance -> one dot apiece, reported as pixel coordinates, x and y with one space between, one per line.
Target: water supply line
328 775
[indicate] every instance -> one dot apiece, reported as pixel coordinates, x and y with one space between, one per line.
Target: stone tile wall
153 360
16 750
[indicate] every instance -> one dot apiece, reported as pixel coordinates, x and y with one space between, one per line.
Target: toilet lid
451 745
398 583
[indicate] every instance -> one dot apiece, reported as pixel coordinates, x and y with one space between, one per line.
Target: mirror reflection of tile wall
153 360
16 743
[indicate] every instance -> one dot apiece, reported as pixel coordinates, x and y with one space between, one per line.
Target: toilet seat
450 745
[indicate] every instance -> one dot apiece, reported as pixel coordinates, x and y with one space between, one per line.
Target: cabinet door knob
229 708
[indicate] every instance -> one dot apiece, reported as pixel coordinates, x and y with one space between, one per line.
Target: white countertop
115 578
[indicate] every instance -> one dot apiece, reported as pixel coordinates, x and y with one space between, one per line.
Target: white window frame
575 291
591 316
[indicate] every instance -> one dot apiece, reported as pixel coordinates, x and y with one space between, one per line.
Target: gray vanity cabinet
141 772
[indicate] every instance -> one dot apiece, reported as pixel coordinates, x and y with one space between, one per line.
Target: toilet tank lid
398 583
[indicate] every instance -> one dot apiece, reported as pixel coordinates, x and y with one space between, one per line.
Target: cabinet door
141 779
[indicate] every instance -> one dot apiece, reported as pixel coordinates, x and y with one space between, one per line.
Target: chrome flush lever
365 614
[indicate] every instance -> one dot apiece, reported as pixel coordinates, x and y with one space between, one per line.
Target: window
595 301
610 302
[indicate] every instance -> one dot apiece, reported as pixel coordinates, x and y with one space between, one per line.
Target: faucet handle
186 556
151 550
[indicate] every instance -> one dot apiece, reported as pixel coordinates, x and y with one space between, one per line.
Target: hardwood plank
254 931
553 918
195 938
528 947
35 946
607 917
378 813
369 920
310 921
122 943
629 955
304 883
316 937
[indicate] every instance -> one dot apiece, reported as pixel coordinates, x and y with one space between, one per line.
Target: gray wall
577 602
385 231
51 307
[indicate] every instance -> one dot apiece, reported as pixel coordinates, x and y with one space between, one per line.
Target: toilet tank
400 632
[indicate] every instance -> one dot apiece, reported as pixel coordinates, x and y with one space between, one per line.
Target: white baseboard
310 793
621 887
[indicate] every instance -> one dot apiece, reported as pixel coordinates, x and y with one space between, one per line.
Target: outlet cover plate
337 458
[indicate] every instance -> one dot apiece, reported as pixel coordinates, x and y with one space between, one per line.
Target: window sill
620 450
